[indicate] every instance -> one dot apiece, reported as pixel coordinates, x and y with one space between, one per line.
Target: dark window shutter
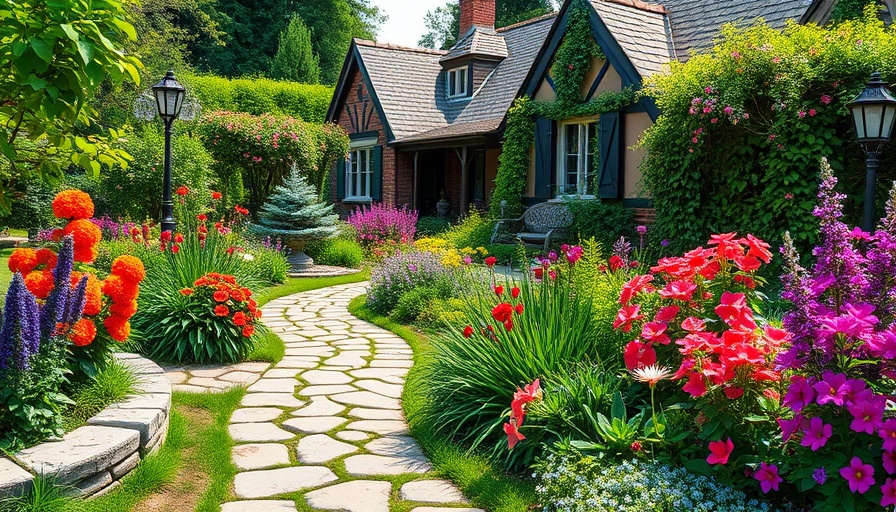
376 181
340 179
544 157
609 182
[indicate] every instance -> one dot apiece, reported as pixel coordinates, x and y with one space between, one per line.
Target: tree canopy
443 23
295 59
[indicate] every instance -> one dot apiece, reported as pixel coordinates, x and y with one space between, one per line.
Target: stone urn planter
298 260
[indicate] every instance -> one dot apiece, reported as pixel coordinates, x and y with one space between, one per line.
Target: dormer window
457 83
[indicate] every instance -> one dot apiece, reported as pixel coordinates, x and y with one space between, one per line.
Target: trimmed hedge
261 96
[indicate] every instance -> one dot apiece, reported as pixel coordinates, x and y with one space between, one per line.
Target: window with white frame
358 172
456 82
576 152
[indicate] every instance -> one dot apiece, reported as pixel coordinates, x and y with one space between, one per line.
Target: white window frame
458 77
354 177
585 166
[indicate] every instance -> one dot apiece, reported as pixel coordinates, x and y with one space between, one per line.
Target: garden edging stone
95 456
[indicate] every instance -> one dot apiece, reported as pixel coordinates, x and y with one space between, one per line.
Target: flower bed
93 457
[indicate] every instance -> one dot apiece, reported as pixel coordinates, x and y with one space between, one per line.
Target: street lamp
873 113
169 99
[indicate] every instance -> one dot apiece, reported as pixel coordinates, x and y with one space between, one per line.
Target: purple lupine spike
54 308
20 334
623 249
74 307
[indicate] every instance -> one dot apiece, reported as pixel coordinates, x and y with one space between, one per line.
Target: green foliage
261 96
850 9
268 264
295 60
474 379
574 55
417 301
135 192
431 226
31 206
338 253
46 495
268 348
472 231
263 149
294 213
401 273
56 54
605 222
513 164
112 383
744 126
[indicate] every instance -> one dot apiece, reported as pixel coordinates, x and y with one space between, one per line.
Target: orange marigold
240 318
129 267
237 295
46 257
124 309
72 205
86 235
82 333
119 289
23 260
220 296
118 327
186 292
221 310
248 330
93 299
39 283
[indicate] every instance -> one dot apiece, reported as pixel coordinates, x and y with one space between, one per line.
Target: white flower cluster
575 483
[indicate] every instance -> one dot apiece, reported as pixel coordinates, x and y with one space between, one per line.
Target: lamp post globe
873 114
169 95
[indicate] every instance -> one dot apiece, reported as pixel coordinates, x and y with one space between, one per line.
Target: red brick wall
476 12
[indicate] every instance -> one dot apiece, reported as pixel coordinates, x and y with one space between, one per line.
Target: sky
405 24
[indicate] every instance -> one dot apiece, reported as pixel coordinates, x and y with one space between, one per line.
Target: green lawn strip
5 274
485 484
113 384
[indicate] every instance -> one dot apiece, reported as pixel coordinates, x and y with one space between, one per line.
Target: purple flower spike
20 334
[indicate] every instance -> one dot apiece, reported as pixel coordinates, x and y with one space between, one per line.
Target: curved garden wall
93 458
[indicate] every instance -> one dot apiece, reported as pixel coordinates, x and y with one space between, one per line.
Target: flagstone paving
324 427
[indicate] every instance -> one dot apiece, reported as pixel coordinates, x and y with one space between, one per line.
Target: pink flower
719 451
638 355
729 110
889 492
887 432
831 388
708 90
799 394
812 112
655 332
513 435
859 475
788 427
817 434
696 385
768 478
889 458
867 415
826 99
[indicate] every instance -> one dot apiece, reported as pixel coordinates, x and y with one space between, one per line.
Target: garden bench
537 226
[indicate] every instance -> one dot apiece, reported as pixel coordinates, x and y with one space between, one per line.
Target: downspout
462 155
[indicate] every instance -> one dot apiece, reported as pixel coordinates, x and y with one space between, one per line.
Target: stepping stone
446 509
282 373
258 432
322 377
367 399
255 415
383 427
259 456
240 377
320 448
275 399
210 383
394 357
271 482
320 406
250 367
313 425
395 446
385 363
378 373
274 386
207 372
368 465
376 414
259 506
352 435
304 351
292 362
380 388
331 337
329 389
356 496
431 491
177 377
347 360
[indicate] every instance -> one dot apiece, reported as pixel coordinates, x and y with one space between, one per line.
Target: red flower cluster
503 312
226 299
530 393
718 339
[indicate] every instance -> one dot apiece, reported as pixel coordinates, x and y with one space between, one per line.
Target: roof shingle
640 30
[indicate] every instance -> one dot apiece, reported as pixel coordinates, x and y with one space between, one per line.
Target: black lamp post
873 113
169 100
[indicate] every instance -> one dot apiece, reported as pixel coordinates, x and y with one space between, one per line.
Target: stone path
324 427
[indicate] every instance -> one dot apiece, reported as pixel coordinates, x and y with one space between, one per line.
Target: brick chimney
479 13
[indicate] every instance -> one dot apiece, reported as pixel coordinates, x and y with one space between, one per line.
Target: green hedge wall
261 96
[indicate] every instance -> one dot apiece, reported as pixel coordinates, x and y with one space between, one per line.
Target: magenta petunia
867 415
799 394
817 434
889 492
859 475
719 451
889 459
768 477
831 388
887 432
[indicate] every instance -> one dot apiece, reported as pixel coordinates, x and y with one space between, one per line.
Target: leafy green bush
338 253
402 273
472 231
442 310
261 96
112 383
605 222
744 126
30 207
136 192
431 226
415 302
268 264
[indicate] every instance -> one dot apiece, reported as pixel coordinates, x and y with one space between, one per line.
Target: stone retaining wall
93 458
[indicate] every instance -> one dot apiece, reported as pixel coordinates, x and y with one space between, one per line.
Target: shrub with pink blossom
382 229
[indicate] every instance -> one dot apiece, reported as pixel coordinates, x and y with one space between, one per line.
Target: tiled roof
479 41
641 31
457 129
695 23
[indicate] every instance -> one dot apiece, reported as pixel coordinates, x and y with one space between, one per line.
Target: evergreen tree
295 60
296 215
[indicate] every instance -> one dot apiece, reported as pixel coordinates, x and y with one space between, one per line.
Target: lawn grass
5 274
303 284
484 483
112 384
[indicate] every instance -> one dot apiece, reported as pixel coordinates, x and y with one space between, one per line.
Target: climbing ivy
571 64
